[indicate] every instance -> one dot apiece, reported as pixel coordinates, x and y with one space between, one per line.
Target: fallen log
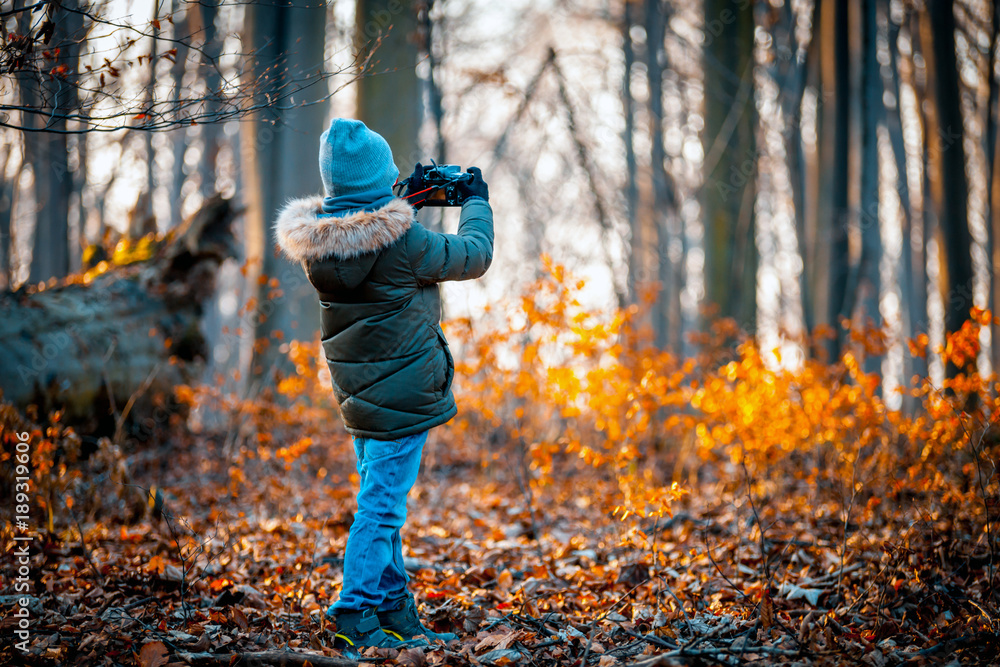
266 659
100 348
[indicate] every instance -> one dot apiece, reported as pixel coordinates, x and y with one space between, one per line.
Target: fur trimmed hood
305 234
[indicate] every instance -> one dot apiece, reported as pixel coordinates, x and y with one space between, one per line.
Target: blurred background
788 164
734 349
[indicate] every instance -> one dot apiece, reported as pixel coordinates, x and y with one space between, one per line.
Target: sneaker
404 623
357 630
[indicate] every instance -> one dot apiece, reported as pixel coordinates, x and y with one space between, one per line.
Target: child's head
353 159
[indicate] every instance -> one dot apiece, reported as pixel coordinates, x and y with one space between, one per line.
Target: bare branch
103 102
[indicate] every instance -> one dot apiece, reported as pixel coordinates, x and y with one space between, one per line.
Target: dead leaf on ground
153 654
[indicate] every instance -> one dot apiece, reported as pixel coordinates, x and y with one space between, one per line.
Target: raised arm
437 257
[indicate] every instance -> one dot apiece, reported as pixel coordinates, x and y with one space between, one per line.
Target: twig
596 619
594 179
139 603
712 653
680 606
524 481
650 639
714 632
760 526
708 551
838 574
281 658
86 551
312 566
180 556
847 522
983 494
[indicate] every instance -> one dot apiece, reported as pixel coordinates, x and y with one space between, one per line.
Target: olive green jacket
377 274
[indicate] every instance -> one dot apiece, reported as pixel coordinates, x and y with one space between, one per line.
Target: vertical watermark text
22 539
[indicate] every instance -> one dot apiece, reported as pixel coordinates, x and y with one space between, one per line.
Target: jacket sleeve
437 257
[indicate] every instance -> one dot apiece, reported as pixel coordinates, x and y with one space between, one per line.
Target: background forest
726 394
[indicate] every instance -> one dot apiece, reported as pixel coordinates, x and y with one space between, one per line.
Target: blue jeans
373 561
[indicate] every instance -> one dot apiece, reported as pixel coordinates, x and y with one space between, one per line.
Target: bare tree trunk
869 285
77 232
6 210
993 198
835 158
180 136
48 154
279 157
912 280
211 133
663 204
947 161
928 221
635 269
800 71
428 28
922 223
143 215
730 163
389 101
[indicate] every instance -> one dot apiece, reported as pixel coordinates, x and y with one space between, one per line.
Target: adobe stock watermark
22 539
381 19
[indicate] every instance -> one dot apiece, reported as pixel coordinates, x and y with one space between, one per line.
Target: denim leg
359 459
394 577
373 559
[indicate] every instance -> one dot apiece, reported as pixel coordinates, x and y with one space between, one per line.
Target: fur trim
304 235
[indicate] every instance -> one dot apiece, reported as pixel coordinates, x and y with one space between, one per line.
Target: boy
376 271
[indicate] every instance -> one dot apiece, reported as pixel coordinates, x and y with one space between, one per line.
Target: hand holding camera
475 186
442 185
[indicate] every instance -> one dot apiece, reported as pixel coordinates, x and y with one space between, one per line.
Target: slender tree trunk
662 208
78 233
389 101
947 161
429 29
279 160
143 215
835 159
6 210
48 154
869 284
635 268
912 279
211 133
730 163
180 136
800 71
928 220
993 199
818 231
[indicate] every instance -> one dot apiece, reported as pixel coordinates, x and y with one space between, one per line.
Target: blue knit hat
354 159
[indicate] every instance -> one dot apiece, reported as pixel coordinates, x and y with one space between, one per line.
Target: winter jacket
377 274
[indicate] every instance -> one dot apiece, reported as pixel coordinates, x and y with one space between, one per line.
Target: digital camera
438 185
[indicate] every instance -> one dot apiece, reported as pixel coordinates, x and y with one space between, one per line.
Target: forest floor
244 559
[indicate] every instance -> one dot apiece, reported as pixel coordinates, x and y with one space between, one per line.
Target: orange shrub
566 382
557 390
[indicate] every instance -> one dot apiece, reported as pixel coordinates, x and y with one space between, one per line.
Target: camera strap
420 192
